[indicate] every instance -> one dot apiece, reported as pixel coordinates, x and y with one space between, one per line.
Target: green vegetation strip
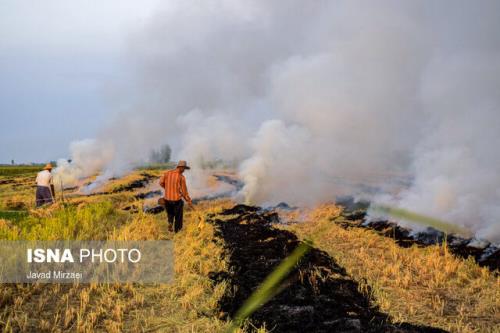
13 215
17 170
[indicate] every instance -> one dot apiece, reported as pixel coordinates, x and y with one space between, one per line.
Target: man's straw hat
48 166
183 164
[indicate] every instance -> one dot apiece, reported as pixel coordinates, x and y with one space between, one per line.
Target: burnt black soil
139 183
147 195
231 181
142 182
7 181
354 214
317 296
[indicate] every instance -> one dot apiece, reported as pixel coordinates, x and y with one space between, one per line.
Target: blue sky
60 62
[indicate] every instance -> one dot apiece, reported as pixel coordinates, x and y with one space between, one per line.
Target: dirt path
318 296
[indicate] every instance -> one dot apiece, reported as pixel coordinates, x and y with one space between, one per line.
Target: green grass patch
13 215
19 170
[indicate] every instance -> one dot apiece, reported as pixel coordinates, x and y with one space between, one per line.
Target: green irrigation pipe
269 287
421 219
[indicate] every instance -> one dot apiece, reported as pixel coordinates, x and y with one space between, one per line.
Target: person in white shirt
44 187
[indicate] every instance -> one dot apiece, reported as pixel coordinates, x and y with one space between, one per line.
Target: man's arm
184 191
162 180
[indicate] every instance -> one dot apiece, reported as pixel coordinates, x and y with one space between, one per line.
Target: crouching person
44 186
174 184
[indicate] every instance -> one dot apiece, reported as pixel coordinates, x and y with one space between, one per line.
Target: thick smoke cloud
456 162
316 99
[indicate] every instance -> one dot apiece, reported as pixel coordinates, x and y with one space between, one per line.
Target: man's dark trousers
175 211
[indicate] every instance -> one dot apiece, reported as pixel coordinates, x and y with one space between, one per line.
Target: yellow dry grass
427 286
187 304
19 195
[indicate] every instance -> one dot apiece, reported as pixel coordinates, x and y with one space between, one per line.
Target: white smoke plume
88 157
456 162
312 99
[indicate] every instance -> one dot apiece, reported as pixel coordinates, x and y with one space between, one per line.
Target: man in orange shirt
174 184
